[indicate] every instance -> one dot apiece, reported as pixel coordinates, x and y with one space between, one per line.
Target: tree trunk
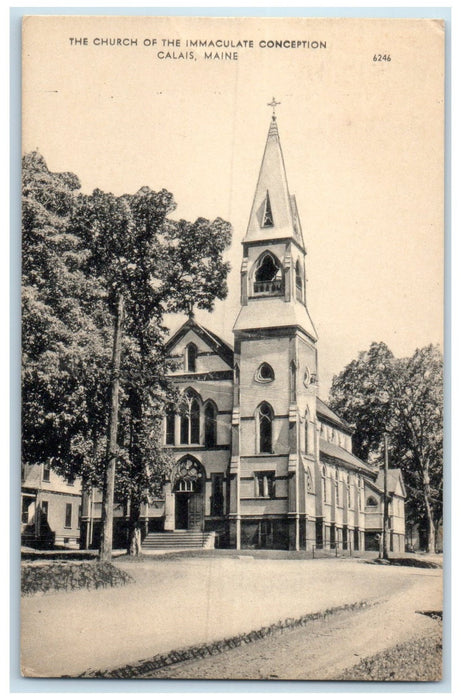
105 551
134 536
429 514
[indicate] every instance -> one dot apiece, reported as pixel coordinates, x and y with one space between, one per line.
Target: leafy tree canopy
82 254
378 393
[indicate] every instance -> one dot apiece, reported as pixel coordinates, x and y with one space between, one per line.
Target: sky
362 141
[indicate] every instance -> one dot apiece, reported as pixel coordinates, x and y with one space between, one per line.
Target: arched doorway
188 486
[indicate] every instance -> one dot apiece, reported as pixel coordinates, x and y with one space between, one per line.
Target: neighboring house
50 508
374 510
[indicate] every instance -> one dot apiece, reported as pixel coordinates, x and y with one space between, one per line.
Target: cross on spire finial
273 104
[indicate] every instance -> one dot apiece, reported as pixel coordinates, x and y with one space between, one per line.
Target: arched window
190 420
306 432
237 384
191 358
268 277
210 424
264 373
188 475
265 417
308 480
195 422
169 432
299 281
372 503
337 487
324 484
292 382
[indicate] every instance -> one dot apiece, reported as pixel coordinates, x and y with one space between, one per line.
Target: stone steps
179 540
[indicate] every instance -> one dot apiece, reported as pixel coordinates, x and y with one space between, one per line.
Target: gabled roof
272 190
334 453
394 477
324 411
219 346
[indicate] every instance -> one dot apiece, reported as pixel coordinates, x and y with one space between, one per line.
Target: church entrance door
181 520
188 486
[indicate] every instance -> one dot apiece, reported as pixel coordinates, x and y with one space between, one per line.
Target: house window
299 282
68 517
44 509
169 432
70 480
217 495
268 277
25 510
210 425
190 421
191 358
265 484
265 417
46 472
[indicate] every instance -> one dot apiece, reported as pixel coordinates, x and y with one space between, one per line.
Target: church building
261 460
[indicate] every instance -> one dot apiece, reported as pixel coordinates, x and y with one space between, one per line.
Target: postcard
232 359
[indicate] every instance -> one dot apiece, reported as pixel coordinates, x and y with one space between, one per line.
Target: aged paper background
362 140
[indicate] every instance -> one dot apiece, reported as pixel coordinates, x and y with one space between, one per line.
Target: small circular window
264 373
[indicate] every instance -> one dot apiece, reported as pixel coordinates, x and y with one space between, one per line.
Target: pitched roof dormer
214 343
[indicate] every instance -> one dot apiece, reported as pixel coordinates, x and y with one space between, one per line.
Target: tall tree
65 330
149 265
379 393
85 260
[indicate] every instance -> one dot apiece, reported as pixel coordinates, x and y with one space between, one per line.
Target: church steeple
273 269
274 213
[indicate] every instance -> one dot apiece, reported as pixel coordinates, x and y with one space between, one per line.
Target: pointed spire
273 214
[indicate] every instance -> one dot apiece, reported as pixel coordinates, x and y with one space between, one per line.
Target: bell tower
275 370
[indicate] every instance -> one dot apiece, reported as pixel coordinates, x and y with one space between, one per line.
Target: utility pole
385 509
105 551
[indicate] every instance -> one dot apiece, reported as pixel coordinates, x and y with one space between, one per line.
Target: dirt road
326 647
176 604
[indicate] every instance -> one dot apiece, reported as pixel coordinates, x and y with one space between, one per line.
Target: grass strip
200 651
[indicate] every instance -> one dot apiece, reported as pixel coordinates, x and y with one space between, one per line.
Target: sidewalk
178 603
